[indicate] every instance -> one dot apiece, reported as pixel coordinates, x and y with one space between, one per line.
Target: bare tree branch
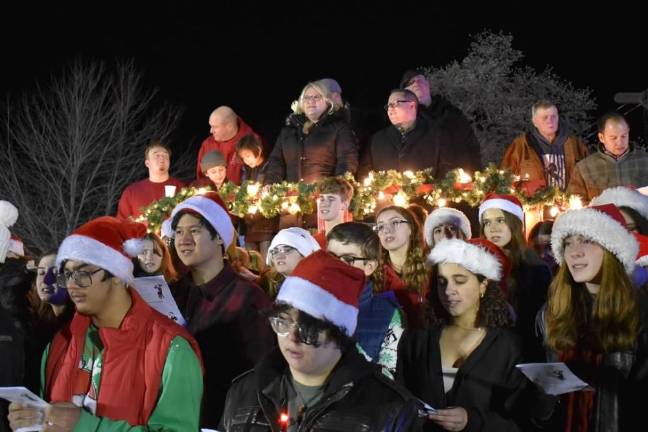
72 146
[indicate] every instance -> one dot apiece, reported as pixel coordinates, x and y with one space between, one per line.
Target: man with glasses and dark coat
118 365
316 379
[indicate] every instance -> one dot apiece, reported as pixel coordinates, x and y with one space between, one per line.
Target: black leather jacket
357 397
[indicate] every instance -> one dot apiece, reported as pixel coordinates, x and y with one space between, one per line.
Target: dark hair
366 238
493 309
408 95
334 333
156 143
15 284
612 116
250 142
336 186
419 211
641 223
201 220
540 228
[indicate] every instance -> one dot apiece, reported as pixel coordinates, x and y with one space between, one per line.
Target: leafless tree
71 146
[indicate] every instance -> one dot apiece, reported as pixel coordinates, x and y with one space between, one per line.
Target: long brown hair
414 272
515 252
607 323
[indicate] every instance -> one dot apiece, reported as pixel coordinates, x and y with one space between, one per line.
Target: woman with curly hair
464 364
595 321
402 261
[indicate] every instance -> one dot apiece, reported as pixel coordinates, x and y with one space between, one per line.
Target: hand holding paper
554 378
27 410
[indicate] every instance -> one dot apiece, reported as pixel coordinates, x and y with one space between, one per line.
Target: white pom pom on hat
8 217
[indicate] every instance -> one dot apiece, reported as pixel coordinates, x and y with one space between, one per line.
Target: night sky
195 53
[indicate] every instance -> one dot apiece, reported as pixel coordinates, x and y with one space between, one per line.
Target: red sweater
133 360
142 193
228 148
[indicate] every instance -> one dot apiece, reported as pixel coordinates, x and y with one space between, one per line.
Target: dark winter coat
455 132
329 149
357 397
224 316
427 145
493 392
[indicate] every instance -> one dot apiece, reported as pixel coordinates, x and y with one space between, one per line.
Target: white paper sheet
155 291
554 378
24 396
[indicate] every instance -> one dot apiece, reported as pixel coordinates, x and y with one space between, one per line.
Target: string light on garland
457 185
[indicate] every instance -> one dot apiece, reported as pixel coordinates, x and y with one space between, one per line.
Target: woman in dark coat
316 142
464 365
595 321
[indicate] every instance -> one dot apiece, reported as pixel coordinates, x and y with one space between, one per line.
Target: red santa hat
108 243
8 217
642 255
623 197
445 215
602 224
211 207
325 288
478 255
507 203
296 237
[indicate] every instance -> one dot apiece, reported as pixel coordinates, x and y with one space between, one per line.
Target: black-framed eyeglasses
393 224
283 327
395 104
282 249
349 259
81 278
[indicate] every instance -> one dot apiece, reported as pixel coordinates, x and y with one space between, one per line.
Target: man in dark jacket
317 380
221 307
454 129
414 142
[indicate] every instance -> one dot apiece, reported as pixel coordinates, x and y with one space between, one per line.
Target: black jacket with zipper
357 397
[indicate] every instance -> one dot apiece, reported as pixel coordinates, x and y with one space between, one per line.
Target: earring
482 294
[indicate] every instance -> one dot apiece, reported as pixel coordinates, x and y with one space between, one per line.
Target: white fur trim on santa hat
318 302
472 257
642 261
502 204
445 215
598 227
215 214
90 251
623 197
296 237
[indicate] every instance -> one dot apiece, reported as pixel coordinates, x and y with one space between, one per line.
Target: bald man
226 130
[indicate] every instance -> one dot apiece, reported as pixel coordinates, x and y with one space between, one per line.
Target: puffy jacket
329 149
357 398
130 377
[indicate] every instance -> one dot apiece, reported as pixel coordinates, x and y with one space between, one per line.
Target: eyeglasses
395 104
81 278
281 250
283 327
315 98
393 225
349 259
